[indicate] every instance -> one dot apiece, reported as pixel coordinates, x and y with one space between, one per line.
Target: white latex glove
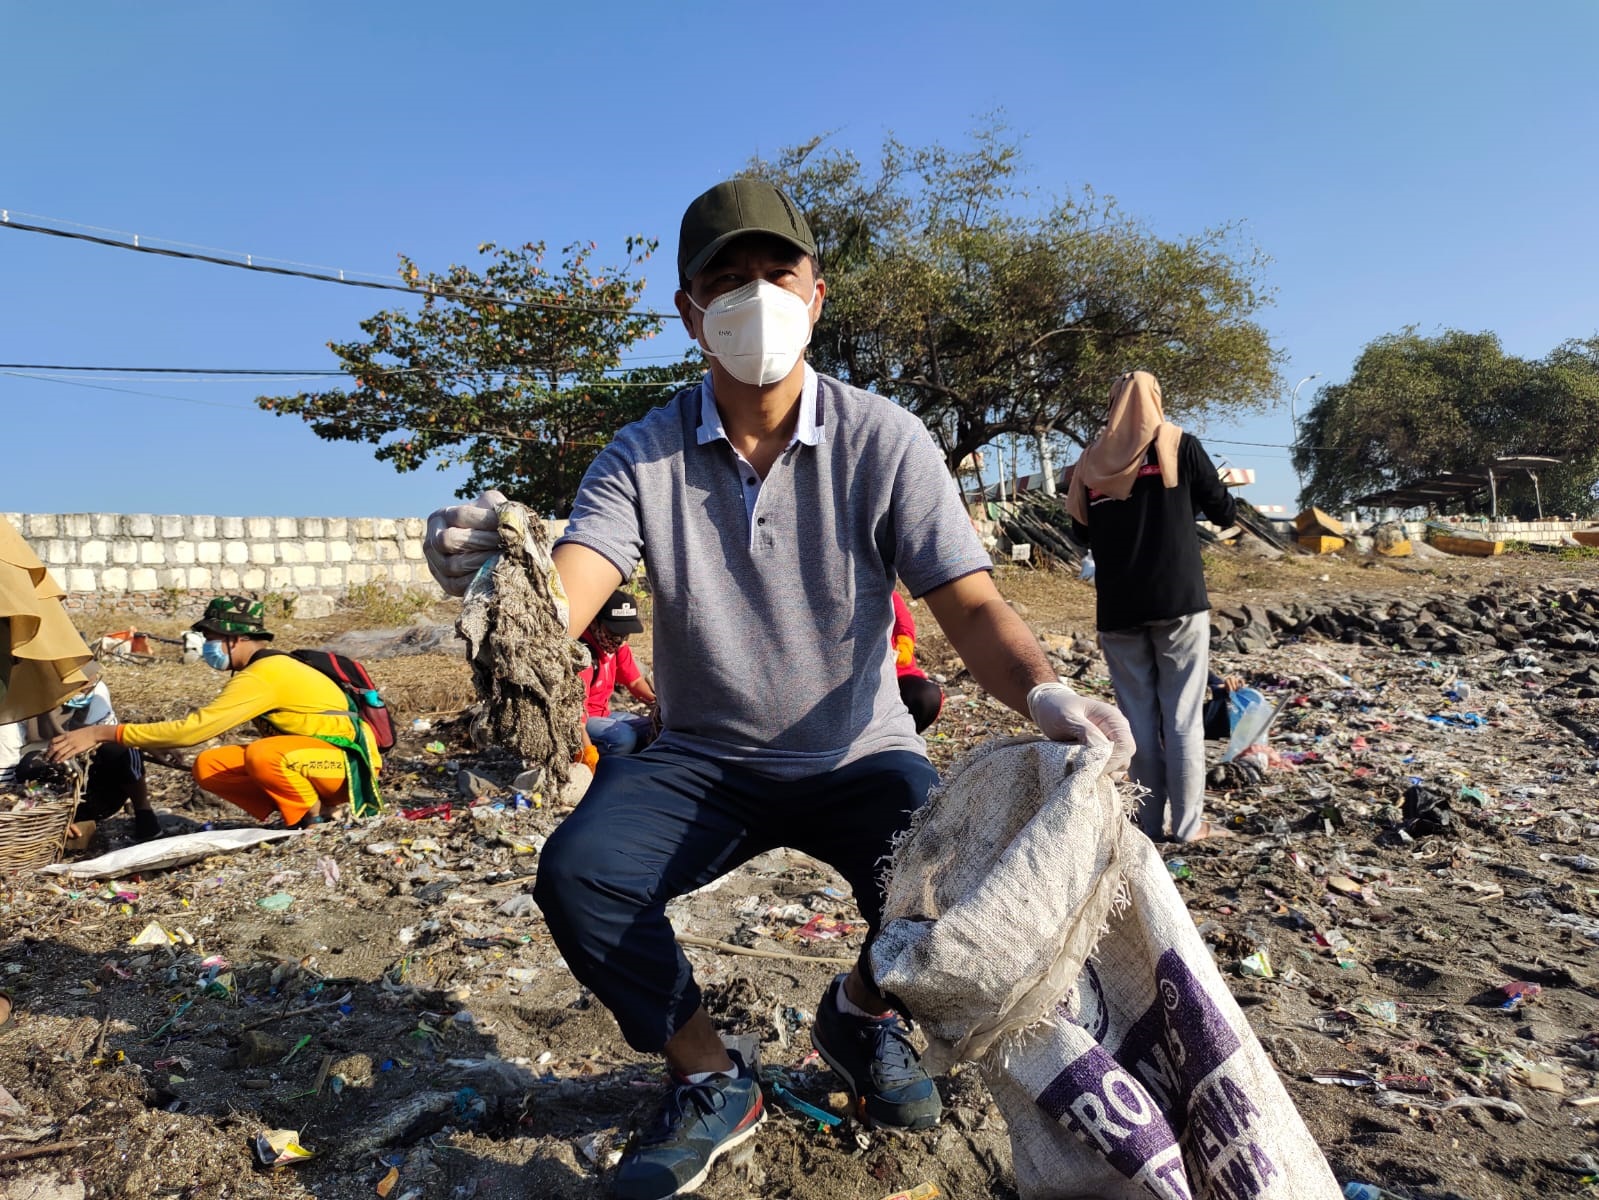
1064 716
460 539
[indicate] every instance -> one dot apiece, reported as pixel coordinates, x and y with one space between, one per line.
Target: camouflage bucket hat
236 616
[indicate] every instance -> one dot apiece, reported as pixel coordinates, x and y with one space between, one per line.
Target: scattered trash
280 1147
1517 994
922 1191
1577 862
442 811
1385 1011
386 1184
788 1099
152 935
1257 964
330 870
519 905
277 902
1178 868
162 853
821 929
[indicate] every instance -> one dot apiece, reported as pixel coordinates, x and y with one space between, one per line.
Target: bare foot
1207 830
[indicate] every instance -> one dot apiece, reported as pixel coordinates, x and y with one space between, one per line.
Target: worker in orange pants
295 776
317 753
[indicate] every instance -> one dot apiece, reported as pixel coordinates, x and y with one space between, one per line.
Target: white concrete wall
112 556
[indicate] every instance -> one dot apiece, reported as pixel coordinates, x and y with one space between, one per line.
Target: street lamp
1293 418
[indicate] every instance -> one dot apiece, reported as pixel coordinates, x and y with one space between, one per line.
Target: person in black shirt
1133 498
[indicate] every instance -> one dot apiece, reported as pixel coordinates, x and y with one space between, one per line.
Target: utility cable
328 275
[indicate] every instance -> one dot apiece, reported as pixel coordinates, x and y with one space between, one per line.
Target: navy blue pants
656 825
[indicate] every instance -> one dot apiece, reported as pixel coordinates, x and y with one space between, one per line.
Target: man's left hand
76 741
1064 716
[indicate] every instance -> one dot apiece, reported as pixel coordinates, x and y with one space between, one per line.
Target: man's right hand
460 539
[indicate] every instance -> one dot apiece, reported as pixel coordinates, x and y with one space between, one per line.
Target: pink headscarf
1111 464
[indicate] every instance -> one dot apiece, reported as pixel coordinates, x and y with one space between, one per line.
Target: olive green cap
733 209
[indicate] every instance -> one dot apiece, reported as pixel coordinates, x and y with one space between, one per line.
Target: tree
1416 406
512 372
985 316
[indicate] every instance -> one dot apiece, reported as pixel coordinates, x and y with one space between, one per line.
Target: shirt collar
808 429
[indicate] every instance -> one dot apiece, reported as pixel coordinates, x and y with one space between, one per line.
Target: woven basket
34 837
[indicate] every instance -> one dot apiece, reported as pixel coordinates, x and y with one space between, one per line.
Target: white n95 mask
757 332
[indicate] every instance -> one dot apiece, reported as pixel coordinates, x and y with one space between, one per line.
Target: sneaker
874 1057
697 1124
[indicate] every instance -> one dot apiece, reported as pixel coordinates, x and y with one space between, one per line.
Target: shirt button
760 520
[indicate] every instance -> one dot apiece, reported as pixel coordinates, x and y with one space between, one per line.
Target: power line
254 262
241 375
304 371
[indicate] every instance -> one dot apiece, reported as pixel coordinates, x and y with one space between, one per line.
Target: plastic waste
1517 993
820 1115
1257 964
1252 722
280 1148
1088 568
1578 862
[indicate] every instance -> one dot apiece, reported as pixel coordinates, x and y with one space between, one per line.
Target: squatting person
315 753
774 509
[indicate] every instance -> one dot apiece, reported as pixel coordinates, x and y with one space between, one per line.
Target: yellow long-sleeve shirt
289 695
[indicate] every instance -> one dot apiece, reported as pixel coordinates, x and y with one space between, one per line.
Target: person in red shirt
921 695
606 638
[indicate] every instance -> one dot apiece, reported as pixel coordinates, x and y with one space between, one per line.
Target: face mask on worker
757 332
215 655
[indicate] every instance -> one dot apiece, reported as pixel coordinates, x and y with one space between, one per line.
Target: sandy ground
408 1015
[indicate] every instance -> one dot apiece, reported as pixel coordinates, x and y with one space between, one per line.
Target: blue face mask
215 654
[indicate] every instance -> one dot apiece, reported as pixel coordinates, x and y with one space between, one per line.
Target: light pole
1293 418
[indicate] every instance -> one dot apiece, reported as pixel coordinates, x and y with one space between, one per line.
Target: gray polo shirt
771 619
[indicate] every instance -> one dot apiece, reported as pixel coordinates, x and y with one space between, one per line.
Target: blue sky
1418 163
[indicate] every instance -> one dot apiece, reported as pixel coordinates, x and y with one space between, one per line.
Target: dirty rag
524 667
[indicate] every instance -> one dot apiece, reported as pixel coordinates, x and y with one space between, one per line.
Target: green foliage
379 604
518 392
1418 406
279 605
954 293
